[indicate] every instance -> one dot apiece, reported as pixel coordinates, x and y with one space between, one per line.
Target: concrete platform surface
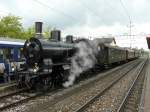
147 90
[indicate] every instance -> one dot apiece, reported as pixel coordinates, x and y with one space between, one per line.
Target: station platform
146 98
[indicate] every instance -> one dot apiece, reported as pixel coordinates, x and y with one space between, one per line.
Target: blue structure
10 54
11 46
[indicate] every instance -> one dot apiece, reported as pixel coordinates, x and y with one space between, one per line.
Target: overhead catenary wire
130 21
128 15
56 10
91 10
108 4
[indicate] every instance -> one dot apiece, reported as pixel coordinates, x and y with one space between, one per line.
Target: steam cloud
84 59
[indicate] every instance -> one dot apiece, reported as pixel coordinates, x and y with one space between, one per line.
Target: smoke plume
84 59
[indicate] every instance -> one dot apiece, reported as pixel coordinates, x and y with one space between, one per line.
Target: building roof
106 40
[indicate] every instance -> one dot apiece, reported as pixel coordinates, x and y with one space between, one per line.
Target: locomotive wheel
57 76
39 86
47 83
58 79
44 84
66 75
30 84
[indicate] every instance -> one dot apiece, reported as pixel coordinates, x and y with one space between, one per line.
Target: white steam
83 60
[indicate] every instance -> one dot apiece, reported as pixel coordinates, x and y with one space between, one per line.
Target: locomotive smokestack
55 35
38 29
69 39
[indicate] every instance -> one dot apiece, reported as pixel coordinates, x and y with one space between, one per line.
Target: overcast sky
86 17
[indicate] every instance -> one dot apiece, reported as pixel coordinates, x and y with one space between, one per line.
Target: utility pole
130 32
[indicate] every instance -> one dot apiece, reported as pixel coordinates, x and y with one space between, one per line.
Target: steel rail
124 101
28 97
13 93
19 102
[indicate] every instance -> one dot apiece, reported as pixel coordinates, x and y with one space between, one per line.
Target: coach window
11 53
1 53
8 53
19 56
20 53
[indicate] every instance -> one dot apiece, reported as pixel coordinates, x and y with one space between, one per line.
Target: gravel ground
64 100
8 89
111 100
133 101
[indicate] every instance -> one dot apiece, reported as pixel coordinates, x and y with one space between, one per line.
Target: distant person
2 68
7 71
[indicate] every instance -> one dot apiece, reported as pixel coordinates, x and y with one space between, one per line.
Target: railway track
16 97
7 84
131 101
11 93
5 87
68 101
94 98
22 96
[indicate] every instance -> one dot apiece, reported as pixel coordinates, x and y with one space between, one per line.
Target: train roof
114 47
106 40
8 42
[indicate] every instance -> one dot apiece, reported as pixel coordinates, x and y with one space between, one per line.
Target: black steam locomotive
49 62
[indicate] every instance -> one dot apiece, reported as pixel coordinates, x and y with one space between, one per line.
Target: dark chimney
69 39
38 29
56 35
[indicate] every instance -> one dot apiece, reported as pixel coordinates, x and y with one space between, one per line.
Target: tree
10 26
46 32
29 32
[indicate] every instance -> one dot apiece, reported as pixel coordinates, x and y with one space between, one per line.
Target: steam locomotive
47 61
50 62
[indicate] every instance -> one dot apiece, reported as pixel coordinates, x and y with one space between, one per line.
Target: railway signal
148 42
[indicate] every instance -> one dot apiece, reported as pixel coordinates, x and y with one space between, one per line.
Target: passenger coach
10 57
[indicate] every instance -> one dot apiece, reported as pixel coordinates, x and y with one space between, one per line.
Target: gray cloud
68 13
83 17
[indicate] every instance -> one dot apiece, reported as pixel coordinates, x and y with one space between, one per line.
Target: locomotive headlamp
13 69
36 68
